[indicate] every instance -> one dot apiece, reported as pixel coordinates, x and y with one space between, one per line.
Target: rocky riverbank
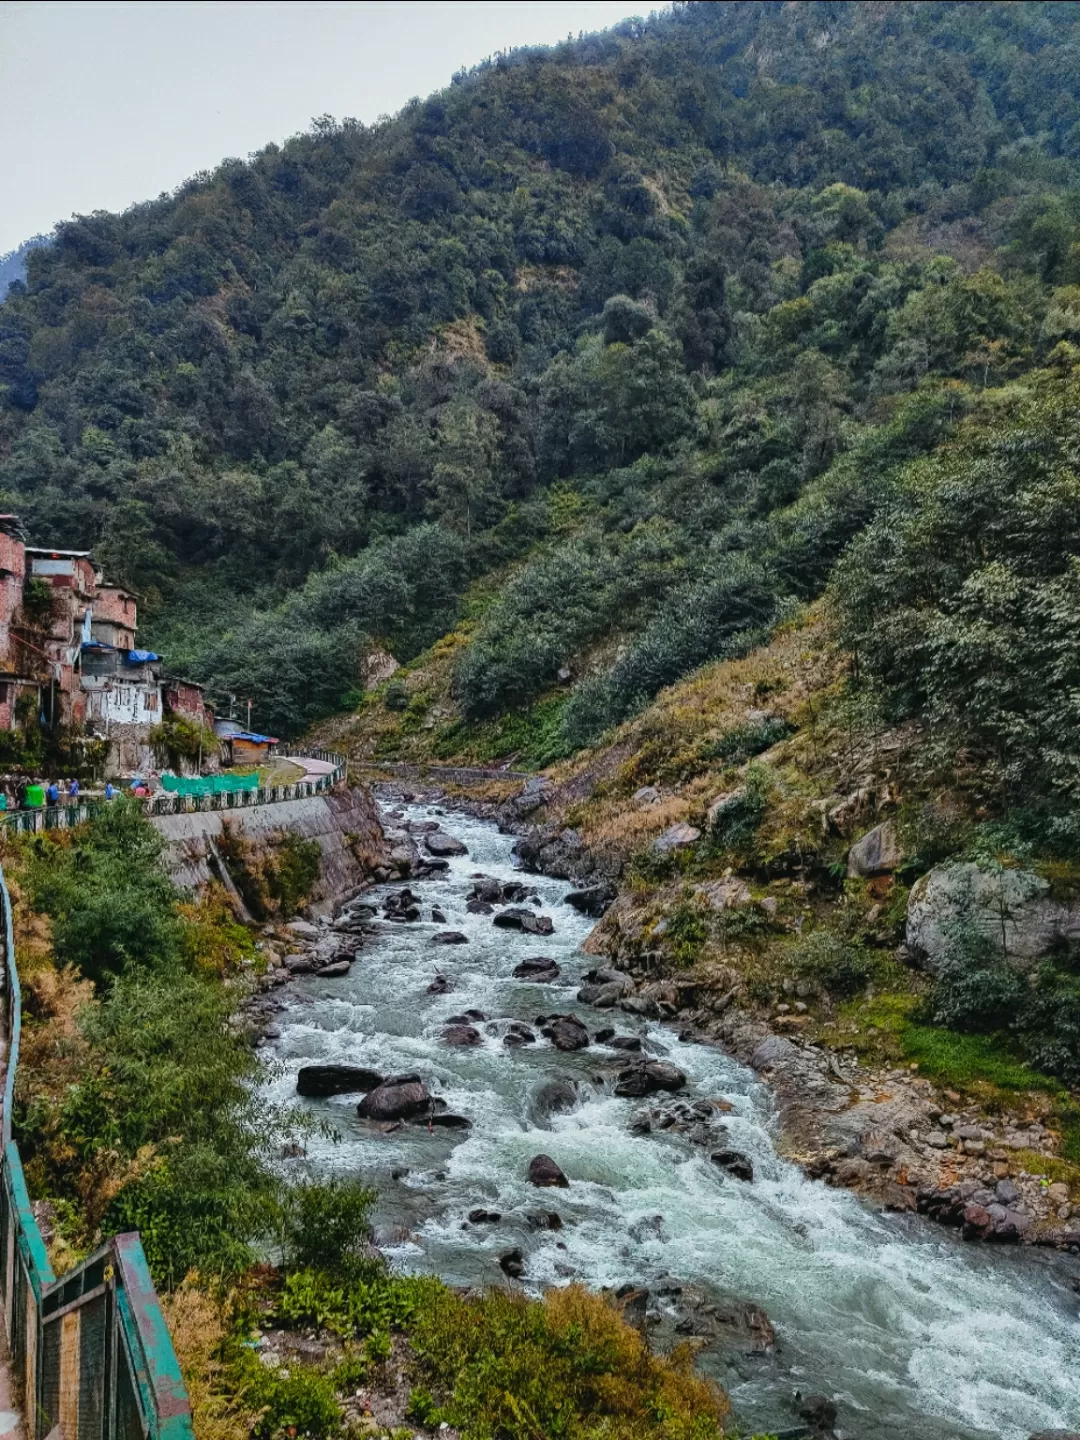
886 1132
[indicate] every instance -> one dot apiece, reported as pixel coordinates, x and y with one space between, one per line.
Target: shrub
568 1368
735 823
837 966
327 1223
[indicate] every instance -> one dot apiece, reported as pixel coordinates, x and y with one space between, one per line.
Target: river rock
676 837
437 917
738 1165
566 1032
875 853
538 925
591 899
513 918
440 844
602 997
462 1035
304 929
449 937
486 889
484 1217
401 1097
631 1043
335 970
820 1413
541 969
440 986
553 1097
518 1035
1012 909
298 964
446 1121
543 1172
543 1220
512 1264
320 1080
648 1078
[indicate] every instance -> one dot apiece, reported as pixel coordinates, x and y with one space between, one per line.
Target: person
52 794
109 791
73 790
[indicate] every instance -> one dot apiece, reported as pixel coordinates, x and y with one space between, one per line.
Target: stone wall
344 822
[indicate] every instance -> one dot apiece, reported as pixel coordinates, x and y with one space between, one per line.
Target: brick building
68 655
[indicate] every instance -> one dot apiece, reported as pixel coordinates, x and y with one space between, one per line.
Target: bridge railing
62 817
90 1352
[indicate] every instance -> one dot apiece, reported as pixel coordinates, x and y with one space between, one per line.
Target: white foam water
912 1332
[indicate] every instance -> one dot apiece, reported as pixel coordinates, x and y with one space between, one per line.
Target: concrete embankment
344 822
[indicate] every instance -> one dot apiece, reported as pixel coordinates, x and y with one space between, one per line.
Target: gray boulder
440 844
876 853
1013 909
401 1097
677 837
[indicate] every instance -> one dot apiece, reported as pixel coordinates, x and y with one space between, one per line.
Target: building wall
117 700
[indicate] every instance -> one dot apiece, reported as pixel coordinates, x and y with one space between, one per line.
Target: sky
106 104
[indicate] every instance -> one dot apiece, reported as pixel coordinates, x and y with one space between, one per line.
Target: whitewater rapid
914 1334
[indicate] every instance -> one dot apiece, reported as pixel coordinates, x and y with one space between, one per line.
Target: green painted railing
90 1352
62 817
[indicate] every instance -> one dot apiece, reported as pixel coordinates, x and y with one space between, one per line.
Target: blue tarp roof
255 739
97 645
141 657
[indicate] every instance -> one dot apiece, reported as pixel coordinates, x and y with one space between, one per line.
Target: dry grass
197 1328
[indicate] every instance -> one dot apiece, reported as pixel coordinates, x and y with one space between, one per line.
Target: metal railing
62 817
90 1353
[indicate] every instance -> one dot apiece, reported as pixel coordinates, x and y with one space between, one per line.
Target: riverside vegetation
137 1107
692 409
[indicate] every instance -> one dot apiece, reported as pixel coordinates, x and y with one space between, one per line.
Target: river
912 1332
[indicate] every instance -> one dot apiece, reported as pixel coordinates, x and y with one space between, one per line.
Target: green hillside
611 350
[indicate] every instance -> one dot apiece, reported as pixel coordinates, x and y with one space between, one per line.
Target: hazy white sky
104 104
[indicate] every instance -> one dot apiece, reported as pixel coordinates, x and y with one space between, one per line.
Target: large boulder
512 919
876 853
441 845
320 1080
401 1097
1012 909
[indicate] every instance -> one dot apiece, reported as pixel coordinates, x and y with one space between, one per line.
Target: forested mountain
610 350
13 264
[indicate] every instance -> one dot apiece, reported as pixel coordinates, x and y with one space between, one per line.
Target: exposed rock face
544 1172
399 1098
335 1080
876 853
1012 909
725 894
